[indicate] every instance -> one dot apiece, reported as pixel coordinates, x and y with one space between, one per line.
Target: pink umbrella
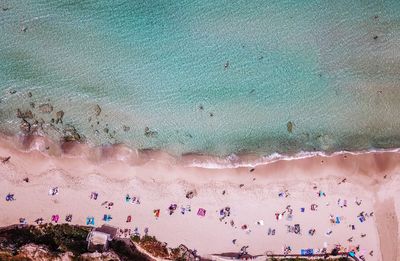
201 212
55 218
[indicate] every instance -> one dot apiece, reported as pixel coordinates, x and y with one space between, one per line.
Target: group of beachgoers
224 214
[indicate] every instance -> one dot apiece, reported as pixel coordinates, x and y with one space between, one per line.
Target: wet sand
253 196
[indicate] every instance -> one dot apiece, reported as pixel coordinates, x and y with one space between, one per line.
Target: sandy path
388 229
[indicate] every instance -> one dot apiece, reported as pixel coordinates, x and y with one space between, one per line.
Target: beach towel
55 218
201 212
337 220
156 213
94 195
90 221
107 218
307 252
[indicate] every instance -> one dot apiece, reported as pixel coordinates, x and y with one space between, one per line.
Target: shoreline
160 180
121 152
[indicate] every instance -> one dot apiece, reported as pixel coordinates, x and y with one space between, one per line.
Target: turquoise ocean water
214 77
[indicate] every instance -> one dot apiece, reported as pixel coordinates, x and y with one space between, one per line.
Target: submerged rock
45 108
71 134
24 115
97 110
25 126
290 126
149 133
59 116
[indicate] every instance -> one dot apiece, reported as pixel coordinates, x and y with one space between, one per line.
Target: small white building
99 238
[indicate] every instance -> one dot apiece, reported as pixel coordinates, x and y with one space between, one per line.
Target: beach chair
128 219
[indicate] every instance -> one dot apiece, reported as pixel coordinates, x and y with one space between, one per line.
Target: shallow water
210 77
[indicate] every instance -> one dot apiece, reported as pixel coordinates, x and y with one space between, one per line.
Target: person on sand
94 195
39 221
10 197
53 191
243 251
68 218
5 160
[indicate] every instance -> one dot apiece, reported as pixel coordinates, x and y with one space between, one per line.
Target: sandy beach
346 200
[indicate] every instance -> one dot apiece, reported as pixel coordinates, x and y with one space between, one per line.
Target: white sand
159 183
